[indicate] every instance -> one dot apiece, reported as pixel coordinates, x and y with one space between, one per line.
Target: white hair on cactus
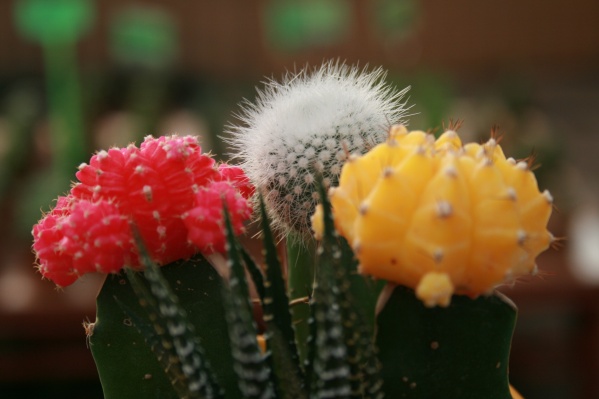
307 125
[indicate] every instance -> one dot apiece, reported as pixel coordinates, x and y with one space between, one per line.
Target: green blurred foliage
53 21
19 111
430 97
395 19
143 37
293 25
56 25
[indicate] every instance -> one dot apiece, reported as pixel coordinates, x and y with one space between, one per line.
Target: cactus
133 358
301 128
307 125
461 351
343 360
166 187
338 326
439 223
468 219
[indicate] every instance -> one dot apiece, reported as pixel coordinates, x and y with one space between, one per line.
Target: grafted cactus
438 223
442 217
461 351
342 360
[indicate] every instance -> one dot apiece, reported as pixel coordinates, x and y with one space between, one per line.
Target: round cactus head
441 217
171 191
306 126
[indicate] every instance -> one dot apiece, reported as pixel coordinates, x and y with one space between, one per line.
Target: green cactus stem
181 331
126 364
343 354
300 276
251 366
281 333
461 351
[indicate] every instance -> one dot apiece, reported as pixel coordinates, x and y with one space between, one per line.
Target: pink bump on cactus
167 188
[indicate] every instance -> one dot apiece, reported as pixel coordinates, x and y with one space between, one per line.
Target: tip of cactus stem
452 134
512 194
357 248
312 122
435 289
451 171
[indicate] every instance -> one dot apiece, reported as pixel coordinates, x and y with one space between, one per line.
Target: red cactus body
161 187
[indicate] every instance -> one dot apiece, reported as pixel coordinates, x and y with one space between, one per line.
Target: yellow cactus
441 217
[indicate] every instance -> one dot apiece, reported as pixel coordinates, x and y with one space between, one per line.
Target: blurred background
81 75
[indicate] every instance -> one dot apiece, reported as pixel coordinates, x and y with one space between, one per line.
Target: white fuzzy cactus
308 124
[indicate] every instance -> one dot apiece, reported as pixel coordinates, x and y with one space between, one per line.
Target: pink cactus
205 220
171 192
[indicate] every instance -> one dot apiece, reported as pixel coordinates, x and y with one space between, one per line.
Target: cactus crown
307 125
442 217
167 187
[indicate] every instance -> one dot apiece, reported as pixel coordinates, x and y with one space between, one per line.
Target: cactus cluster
442 217
166 187
199 344
434 221
307 125
342 360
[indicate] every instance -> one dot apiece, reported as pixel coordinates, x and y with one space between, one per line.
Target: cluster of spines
306 126
289 190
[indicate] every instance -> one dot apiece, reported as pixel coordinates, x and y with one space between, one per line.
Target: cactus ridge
250 364
276 314
166 354
170 323
362 314
330 364
364 379
275 304
255 272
